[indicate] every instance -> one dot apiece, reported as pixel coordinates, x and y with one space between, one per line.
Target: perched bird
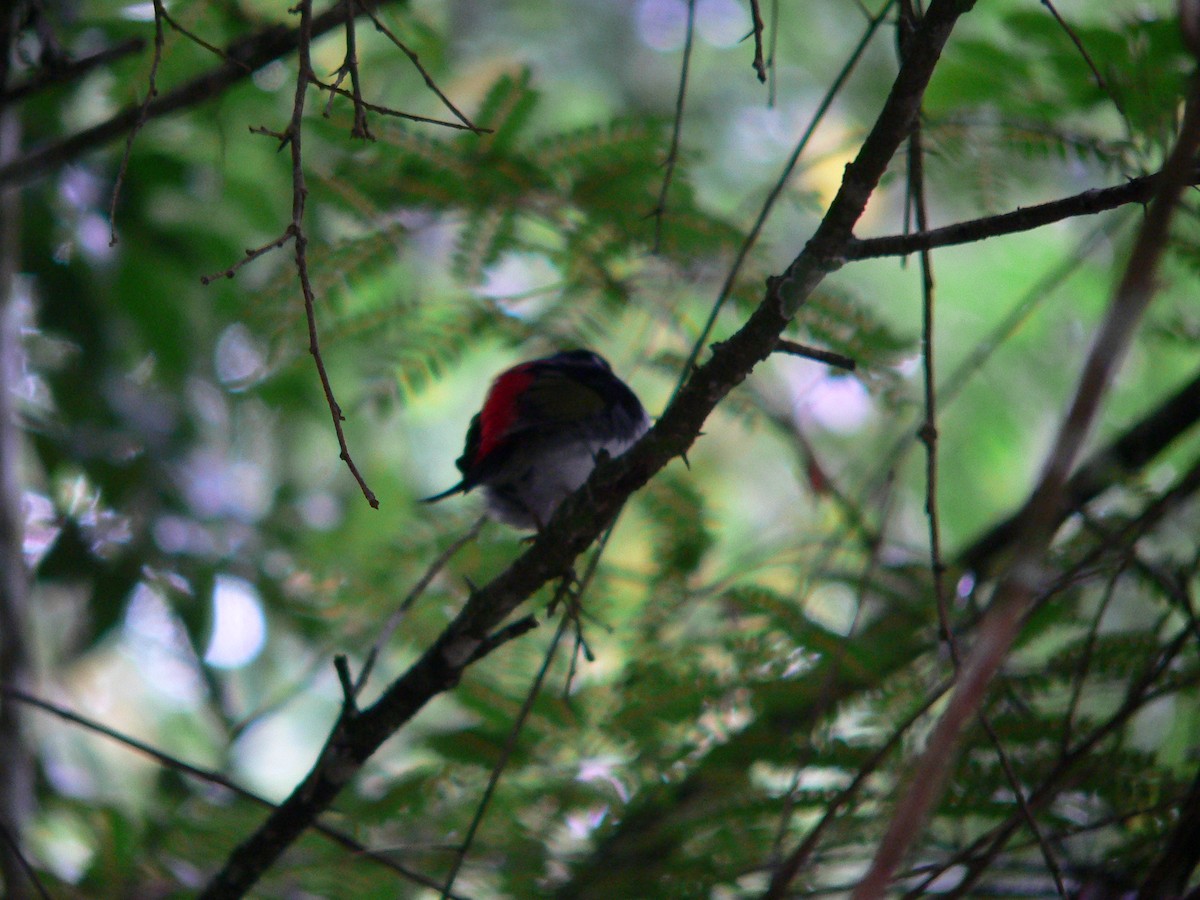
543 425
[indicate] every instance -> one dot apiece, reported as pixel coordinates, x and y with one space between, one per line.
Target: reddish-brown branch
1018 587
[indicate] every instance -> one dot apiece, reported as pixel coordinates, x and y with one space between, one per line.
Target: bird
543 427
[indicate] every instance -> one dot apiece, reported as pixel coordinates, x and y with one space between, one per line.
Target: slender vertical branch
510 743
759 62
16 764
143 112
294 138
660 210
360 129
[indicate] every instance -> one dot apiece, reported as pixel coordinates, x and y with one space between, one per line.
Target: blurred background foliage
763 620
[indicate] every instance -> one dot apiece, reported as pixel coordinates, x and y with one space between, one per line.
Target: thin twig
415 60
774 194
426 579
829 357
360 128
209 776
252 253
14 847
1100 82
243 56
199 41
929 437
1090 202
787 870
151 93
304 74
334 90
1083 668
771 67
660 209
928 432
510 744
759 63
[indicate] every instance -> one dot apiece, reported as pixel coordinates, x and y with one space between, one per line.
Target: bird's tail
457 489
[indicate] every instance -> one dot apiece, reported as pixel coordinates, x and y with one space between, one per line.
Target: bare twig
928 432
787 871
979 854
151 93
759 63
1169 875
772 84
210 776
334 90
1015 592
350 65
294 133
252 253
241 58
14 848
17 644
200 42
1137 190
829 357
1100 82
426 579
415 60
660 209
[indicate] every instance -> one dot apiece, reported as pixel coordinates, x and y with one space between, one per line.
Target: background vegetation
742 692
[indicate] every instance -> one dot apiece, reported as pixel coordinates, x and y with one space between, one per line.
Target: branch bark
584 516
1088 203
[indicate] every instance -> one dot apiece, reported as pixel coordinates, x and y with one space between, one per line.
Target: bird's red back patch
500 408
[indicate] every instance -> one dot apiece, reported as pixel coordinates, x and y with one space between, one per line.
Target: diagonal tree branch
66 72
585 515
